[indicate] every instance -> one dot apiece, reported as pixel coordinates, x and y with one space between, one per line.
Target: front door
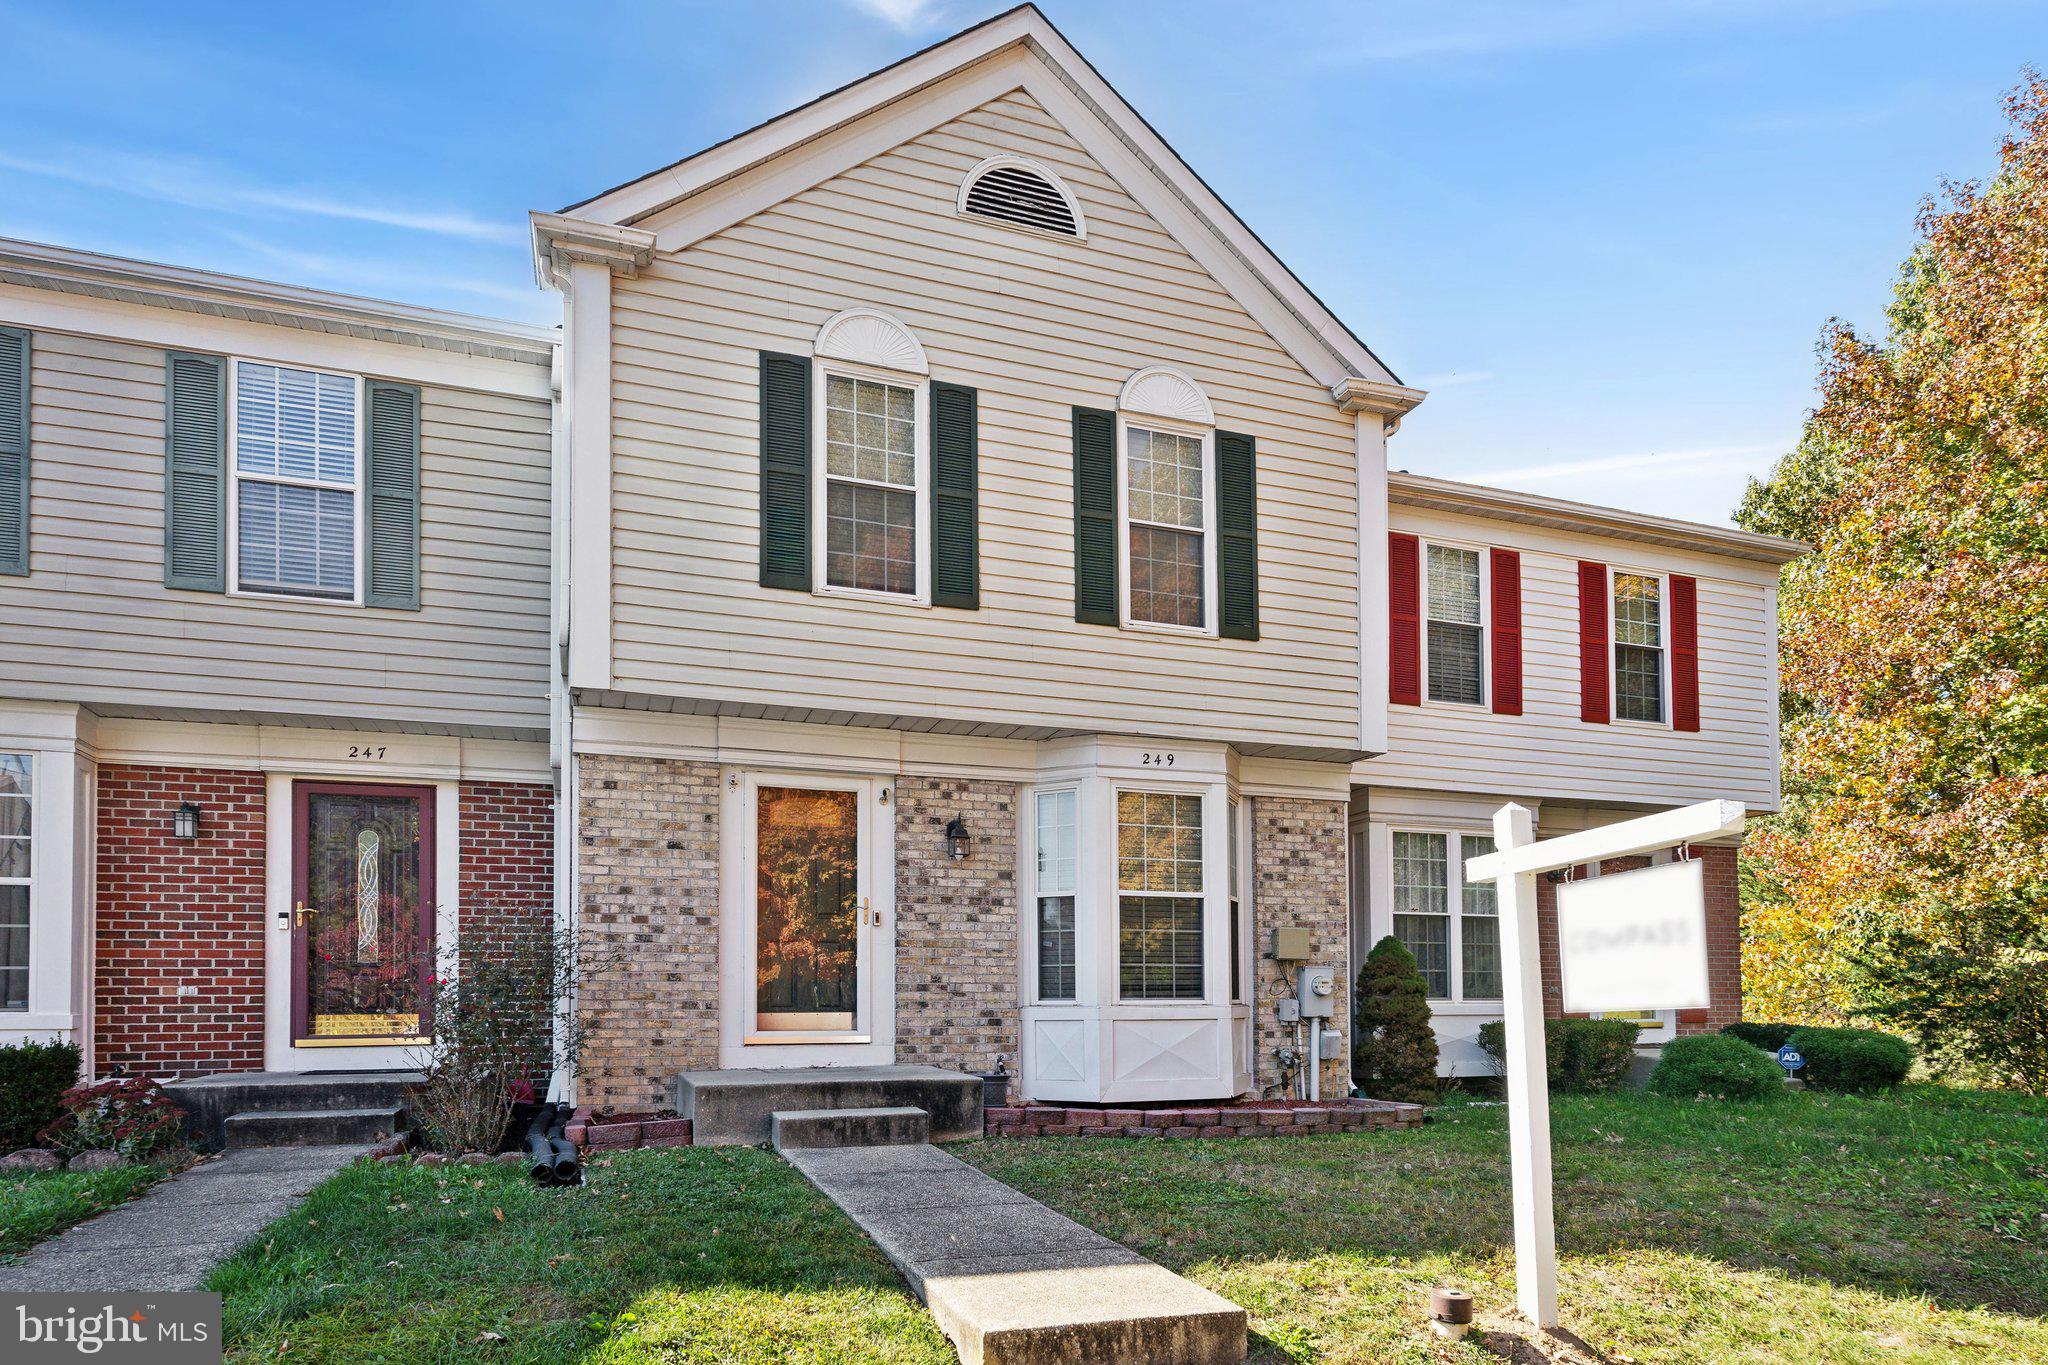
815 942
362 914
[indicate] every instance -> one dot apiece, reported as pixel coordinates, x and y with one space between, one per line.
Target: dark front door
362 913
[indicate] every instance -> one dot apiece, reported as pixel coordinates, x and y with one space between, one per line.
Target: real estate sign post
1630 942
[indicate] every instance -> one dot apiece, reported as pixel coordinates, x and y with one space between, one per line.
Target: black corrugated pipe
539 1151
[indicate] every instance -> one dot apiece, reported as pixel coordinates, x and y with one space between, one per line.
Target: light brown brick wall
647 882
1298 866
957 997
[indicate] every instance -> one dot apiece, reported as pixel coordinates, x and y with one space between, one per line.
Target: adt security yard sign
1634 940
1790 1058
1638 942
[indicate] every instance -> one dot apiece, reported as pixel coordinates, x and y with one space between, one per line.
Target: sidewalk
172 1237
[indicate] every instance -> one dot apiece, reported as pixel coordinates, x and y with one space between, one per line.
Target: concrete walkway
1010 1280
172 1237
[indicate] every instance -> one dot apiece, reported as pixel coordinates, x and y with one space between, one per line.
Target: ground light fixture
1450 1312
957 837
185 821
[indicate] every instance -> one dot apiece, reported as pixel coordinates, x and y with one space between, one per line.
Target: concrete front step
209 1101
310 1127
727 1108
882 1127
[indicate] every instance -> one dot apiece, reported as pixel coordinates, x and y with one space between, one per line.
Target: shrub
33 1079
1769 1037
131 1115
1853 1058
1394 1057
1718 1065
1579 1054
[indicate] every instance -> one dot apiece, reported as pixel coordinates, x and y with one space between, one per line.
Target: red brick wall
508 860
1724 946
177 913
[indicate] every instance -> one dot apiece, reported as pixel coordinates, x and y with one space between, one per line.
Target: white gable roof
728 182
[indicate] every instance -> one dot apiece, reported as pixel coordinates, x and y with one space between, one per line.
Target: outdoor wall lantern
185 822
957 837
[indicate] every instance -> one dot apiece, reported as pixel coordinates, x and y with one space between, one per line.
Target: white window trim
35 776
920 411
1614 715
1207 436
1238 810
1454 904
359 572
1034 896
1204 899
1485 623
1080 233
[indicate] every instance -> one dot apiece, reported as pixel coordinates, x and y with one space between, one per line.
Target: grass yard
1822 1228
37 1205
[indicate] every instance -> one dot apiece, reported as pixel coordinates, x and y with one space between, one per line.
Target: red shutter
1685 653
1593 680
1505 569
1404 619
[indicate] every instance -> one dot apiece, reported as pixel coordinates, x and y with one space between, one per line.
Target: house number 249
1158 760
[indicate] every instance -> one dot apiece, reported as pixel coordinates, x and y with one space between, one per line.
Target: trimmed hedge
1769 1037
1580 1055
1853 1059
33 1079
1718 1065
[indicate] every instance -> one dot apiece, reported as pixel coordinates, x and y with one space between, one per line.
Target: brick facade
175 914
957 995
1300 882
647 884
507 862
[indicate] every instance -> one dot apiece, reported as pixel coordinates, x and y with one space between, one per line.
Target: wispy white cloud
379 275
1414 31
1672 461
907 16
1453 379
198 184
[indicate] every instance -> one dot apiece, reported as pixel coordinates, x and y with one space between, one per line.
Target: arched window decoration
871 385
1021 193
868 336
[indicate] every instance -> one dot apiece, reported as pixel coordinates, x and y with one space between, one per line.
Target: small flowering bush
130 1115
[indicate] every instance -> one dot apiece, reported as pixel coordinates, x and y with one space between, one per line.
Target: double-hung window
1166 520
1055 892
873 477
295 438
1638 647
1159 896
1451 927
1457 625
17 776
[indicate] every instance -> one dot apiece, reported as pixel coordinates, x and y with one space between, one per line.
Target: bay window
17 776
1055 890
1638 647
1159 896
1450 926
294 441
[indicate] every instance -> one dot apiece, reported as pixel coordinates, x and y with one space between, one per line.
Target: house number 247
366 751
1158 760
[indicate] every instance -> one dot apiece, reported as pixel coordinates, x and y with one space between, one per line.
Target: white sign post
1641 959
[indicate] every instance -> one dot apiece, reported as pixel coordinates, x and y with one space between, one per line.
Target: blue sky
1604 233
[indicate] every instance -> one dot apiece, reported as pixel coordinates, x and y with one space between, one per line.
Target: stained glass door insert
362 914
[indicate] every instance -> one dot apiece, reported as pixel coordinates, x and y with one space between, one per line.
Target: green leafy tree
1394 1052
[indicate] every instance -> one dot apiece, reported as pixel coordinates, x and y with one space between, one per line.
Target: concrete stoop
1012 1282
738 1106
292 1108
881 1127
311 1127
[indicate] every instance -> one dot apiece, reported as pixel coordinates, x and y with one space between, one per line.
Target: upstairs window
1456 629
1638 647
294 438
1159 896
1022 194
1167 517
871 485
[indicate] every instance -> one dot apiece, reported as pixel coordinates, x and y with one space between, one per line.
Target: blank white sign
1634 940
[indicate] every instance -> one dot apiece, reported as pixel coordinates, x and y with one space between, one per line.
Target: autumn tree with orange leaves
1907 878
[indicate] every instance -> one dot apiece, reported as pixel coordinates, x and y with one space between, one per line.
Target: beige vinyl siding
1038 326
1548 751
94 622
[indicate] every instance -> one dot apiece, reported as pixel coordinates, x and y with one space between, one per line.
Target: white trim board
320 753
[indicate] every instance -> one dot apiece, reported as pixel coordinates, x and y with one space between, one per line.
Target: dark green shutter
1237 536
195 472
391 542
14 353
1095 517
956 534
785 471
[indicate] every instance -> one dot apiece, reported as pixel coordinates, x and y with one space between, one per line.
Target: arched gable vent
1023 194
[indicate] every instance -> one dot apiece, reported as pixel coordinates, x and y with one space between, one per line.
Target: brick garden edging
624 1136
1204 1121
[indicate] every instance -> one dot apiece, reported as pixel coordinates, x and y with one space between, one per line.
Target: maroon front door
362 913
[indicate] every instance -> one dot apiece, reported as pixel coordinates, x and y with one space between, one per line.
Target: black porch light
957 837
185 821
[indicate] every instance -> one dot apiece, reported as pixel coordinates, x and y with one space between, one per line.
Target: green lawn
1819 1229
34 1206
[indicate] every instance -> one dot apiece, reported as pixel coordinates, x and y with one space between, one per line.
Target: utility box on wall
1315 990
1289 945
